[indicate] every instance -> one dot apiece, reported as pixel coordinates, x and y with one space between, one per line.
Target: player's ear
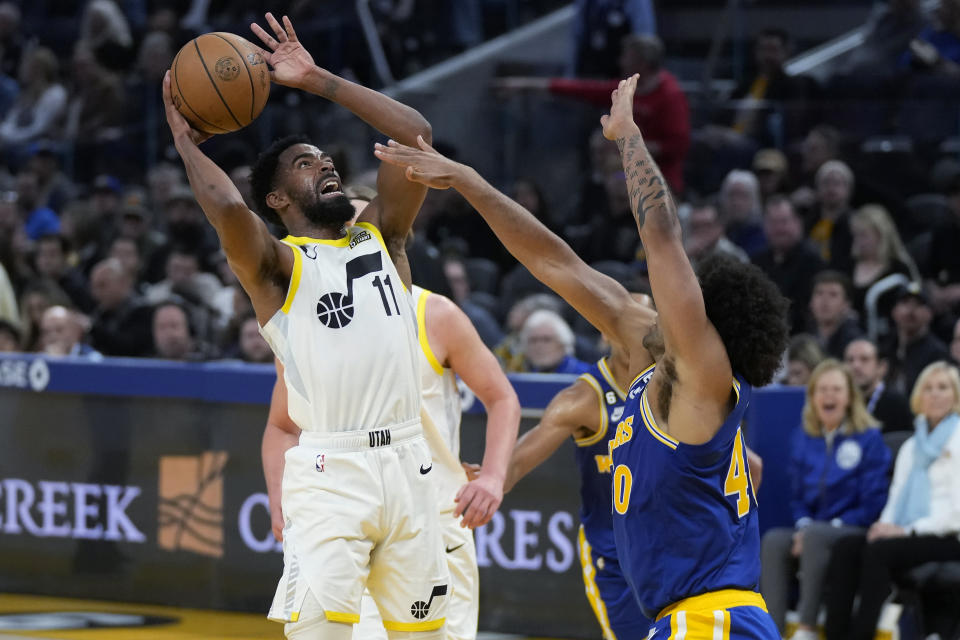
276 200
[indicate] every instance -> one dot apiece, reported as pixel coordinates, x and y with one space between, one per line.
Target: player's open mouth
331 187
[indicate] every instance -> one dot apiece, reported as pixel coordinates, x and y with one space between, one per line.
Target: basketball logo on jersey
420 609
335 309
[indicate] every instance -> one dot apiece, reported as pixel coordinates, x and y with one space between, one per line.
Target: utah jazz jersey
593 459
684 516
347 336
441 402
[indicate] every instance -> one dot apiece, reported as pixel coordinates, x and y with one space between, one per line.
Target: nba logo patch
321 458
617 414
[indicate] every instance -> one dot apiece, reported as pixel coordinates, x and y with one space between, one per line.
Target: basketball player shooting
358 499
684 508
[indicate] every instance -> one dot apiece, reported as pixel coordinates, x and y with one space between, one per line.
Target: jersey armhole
379 236
604 422
295 276
650 423
422 333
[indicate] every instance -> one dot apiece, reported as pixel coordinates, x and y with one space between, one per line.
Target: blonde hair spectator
857 419
937 367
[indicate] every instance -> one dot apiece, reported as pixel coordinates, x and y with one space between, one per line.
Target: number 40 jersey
347 336
684 516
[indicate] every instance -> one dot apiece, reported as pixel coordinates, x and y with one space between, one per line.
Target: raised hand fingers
277 29
265 37
288 26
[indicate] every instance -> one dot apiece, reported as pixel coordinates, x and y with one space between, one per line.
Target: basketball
219 82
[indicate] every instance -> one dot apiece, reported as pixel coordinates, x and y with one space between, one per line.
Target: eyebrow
311 155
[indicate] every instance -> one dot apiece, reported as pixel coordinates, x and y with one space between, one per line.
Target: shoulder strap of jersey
422 331
594 438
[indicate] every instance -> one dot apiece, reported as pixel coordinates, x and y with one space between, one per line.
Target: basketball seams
253 92
203 64
176 79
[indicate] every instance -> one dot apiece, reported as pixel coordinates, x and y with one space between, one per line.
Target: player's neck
307 229
619 365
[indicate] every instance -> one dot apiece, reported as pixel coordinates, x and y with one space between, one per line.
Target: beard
334 212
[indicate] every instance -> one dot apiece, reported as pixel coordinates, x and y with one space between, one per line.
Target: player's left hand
478 500
619 123
290 60
424 165
175 120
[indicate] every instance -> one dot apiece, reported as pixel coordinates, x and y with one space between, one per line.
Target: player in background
685 521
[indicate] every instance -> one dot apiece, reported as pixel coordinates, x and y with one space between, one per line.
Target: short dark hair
750 314
58 238
8 327
830 276
777 200
263 175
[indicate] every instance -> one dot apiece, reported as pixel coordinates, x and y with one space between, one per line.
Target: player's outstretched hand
424 165
290 61
619 122
177 123
478 500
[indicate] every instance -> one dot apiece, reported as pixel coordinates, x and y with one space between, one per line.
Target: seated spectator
62 332
877 252
40 107
547 345
51 260
829 226
790 259
127 252
598 26
838 478
482 319
803 356
37 297
821 145
121 322
54 187
834 325
105 30
252 346
37 219
868 369
771 168
9 337
530 196
921 520
174 337
937 46
912 346
704 236
510 350
741 211
183 271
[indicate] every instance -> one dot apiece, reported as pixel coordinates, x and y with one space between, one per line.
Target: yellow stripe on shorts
590 586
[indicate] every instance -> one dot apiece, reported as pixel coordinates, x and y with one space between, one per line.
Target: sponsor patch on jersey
363 236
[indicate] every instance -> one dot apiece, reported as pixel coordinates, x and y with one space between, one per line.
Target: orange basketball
219 82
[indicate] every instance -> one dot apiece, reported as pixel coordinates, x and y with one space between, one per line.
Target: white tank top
347 336
441 404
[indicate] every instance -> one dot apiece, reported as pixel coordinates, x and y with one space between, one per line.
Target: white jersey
347 336
441 404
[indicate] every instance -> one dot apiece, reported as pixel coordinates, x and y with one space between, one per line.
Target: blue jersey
593 458
684 516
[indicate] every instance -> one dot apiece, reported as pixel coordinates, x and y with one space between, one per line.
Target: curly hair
263 175
749 313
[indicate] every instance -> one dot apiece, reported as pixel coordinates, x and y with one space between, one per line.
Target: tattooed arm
689 338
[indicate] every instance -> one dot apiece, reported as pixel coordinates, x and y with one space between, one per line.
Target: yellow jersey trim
590 586
429 625
302 240
641 374
586 441
714 600
422 333
608 376
294 277
736 389
337 616
651 423
294 616
379 236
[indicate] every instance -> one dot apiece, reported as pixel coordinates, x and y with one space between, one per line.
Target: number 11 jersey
684 516
347 336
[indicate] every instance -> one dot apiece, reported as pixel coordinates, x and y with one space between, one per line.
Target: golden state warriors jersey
347 336
684 516
441 402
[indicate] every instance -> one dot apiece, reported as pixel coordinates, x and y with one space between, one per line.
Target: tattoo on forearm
330 88
645 184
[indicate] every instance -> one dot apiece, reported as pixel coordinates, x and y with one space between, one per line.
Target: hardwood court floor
25 617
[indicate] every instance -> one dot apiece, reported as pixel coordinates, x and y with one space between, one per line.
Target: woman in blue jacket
839 485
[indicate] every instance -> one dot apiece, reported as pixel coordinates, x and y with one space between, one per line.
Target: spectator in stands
135 225
704 235
185 227
144 118
838 478
921 520
252 346
121 322
174 337
529 194
547 344
37 297
11 39
54 186
40 107
105 32
163 181
877 253
868 369
821 145
803 356
482 318
52 261
937 46
830 221
833 323
510 349
9 337
789 260
771 168
61 334
912 346
127 252
598 28
942 266
742 210
37 219
182 271
8 298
